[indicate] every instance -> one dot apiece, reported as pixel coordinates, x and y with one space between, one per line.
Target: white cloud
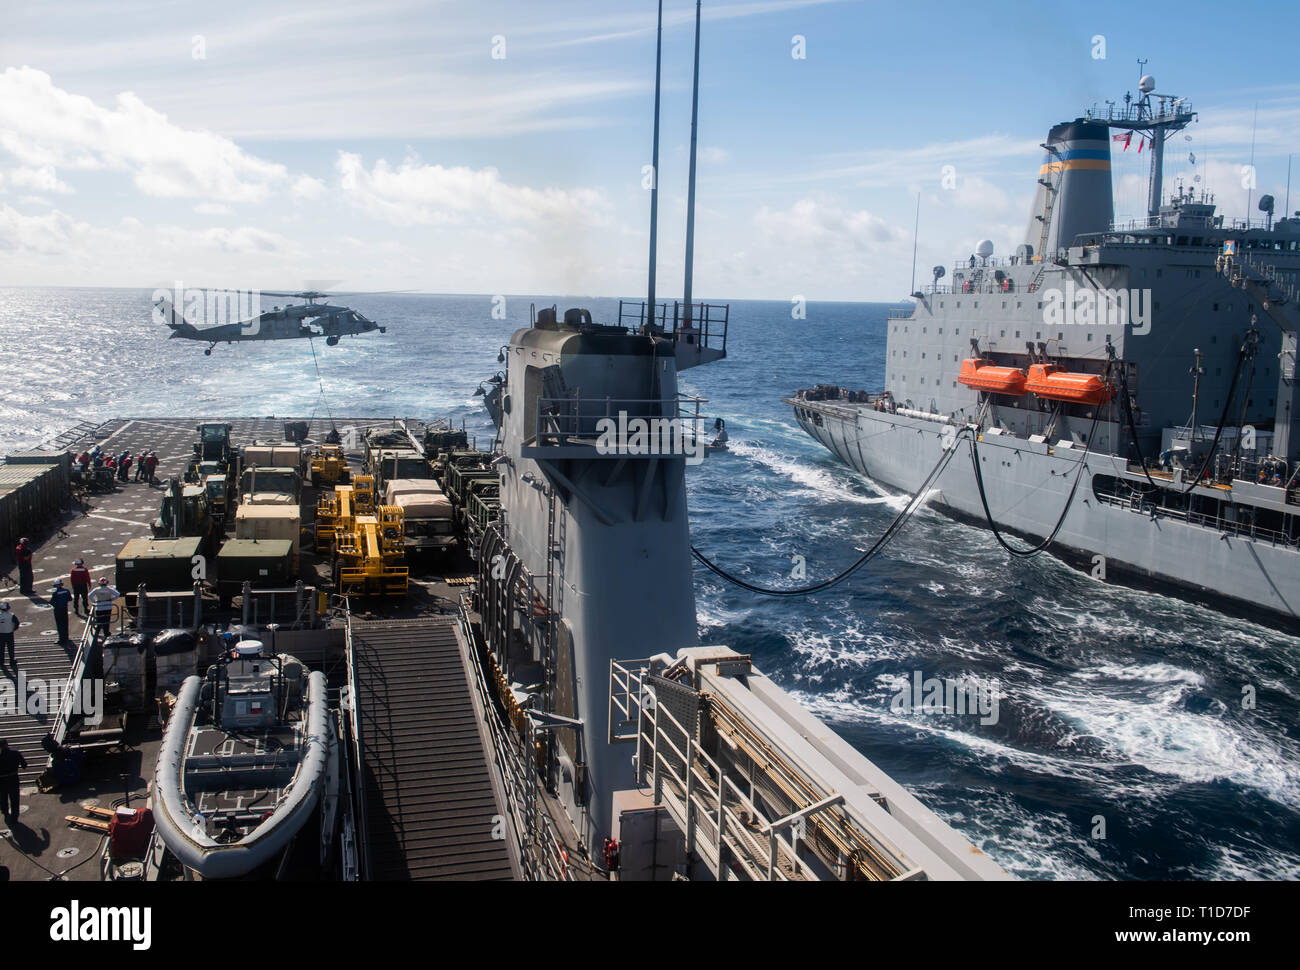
212 209
306 187
244 239
42 178
46 127
49 234
818 223
416 193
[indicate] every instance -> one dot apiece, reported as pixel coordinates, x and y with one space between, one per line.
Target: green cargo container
160 564
264 563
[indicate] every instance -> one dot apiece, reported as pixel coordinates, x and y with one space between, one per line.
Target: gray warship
1122 395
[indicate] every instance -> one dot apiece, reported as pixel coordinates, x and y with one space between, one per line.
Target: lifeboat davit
1049 381
983 376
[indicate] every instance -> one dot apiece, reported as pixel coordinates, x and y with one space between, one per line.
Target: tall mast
690 191
915 226
1157 121
654 175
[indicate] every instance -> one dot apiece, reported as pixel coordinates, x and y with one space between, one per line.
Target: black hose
885 538
1078 477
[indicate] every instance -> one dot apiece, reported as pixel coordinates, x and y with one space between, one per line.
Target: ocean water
1122 749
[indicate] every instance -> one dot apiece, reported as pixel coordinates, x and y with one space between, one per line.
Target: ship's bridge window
1002 333
1038 335
1017 334
1060 336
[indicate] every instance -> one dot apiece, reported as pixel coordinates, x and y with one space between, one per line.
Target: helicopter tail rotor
179 325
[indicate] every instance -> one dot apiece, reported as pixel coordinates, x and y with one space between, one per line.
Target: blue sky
383 146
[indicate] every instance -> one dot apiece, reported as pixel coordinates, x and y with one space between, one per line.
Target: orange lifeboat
1049 381
983 376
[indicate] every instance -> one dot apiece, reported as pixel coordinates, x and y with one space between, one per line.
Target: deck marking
103 441
110 518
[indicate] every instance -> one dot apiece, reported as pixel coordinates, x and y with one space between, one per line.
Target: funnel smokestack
1074 190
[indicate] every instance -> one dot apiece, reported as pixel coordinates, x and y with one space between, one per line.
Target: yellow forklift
329 467
367 542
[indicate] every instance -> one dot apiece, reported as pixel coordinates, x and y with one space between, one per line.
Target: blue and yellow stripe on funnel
1076 159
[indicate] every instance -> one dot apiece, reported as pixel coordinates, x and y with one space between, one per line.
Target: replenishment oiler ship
365 649
1122 395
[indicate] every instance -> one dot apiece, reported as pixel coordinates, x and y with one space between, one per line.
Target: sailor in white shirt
101 604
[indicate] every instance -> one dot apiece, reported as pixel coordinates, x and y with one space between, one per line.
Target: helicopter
292 321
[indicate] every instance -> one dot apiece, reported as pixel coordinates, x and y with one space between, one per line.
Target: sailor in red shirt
23 553
80 586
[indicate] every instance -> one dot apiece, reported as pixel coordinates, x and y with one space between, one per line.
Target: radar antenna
1155 120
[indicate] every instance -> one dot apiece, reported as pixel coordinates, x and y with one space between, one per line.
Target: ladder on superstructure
1047 219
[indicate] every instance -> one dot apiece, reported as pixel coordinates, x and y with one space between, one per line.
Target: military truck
429 521
268 505
392 454
278 454
270 485
185 512
213 443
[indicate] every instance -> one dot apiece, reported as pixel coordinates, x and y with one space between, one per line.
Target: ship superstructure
1156 358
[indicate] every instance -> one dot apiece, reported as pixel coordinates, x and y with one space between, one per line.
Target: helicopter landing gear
208 352
331 341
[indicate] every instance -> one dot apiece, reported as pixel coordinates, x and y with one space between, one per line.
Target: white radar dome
985 248
1147 84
